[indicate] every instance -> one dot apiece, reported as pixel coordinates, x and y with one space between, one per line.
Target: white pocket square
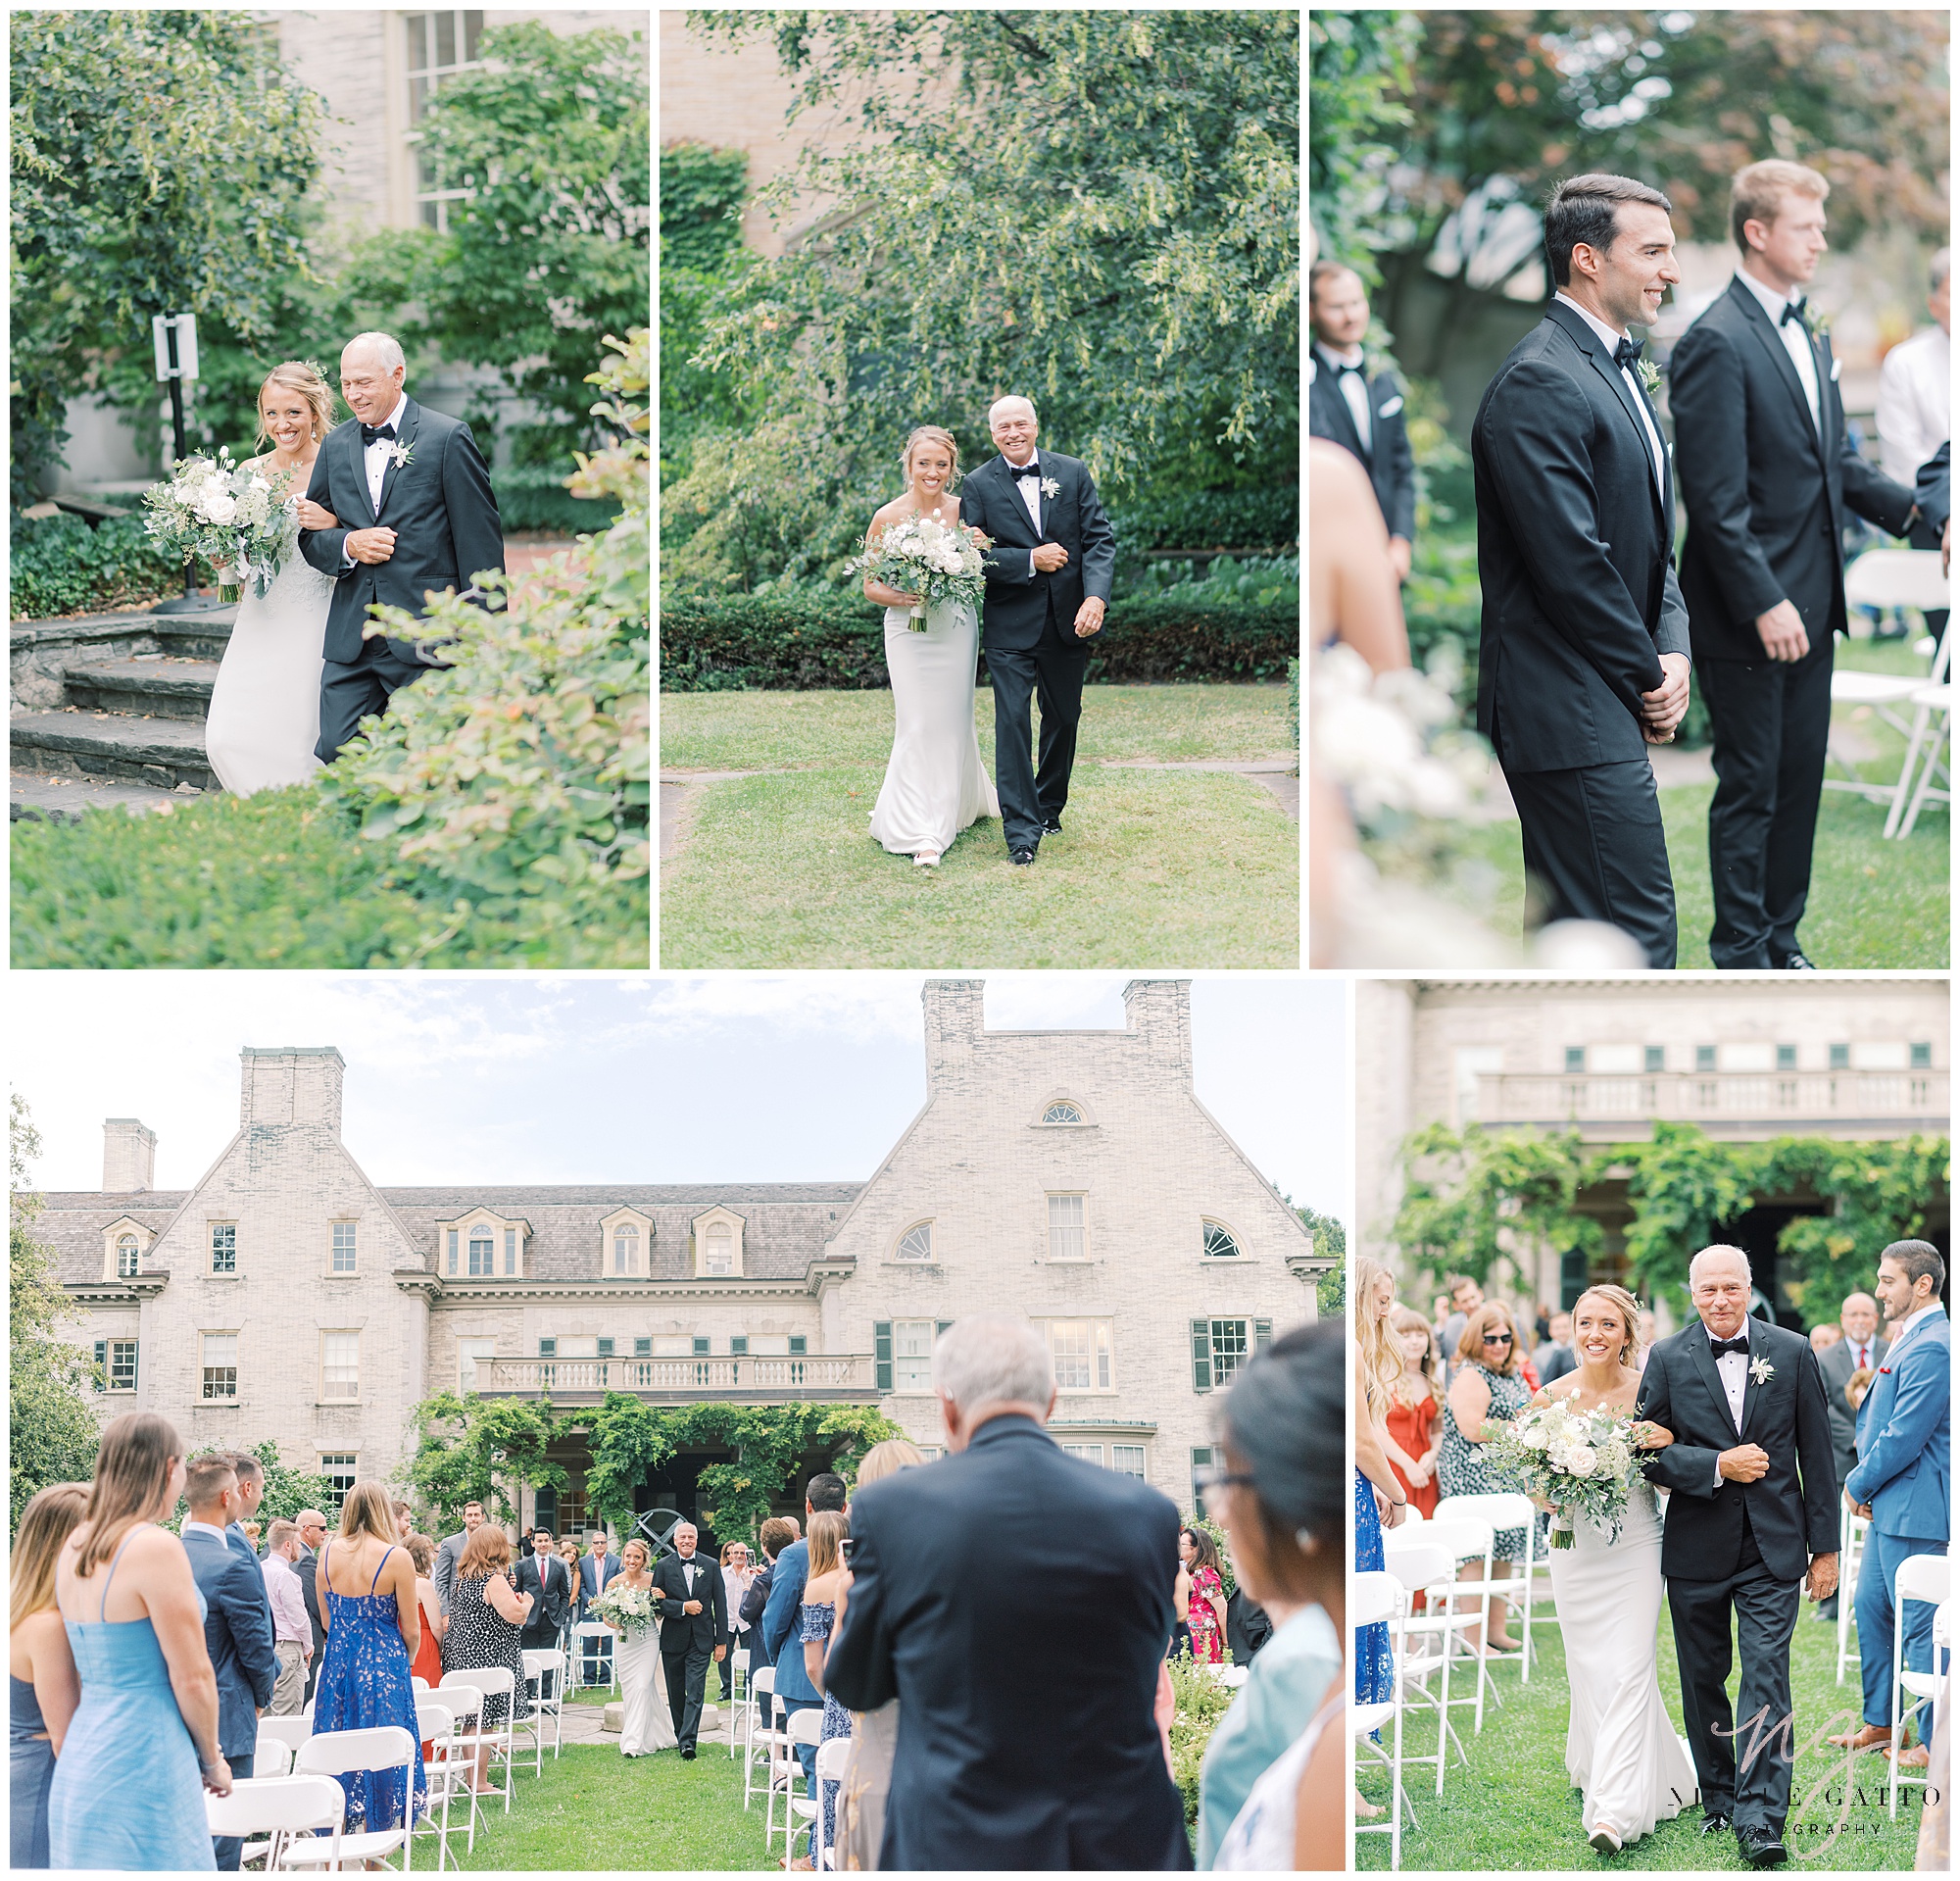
1837 366
1391 408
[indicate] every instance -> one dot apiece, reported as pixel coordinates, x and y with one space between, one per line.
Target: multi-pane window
1786 1058
915 1244
1088 1453
340 1468
483 1254
1655 1058
225 1247
1200 1466
1219 1242
343 1247
799 1343
719 1250
439 45
1219 1346
219 1360
510 1253
340 1366
1127 1459
126 1257
1065 1238
625 1247
1921 1057
1062 1112
117 1358
738 1345
1575 1057
1081 1352
911 1355
1840 1058
1704 1057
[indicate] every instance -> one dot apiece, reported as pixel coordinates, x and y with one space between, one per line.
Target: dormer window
123 1241
717 1245
483 1254
718 1255
481 1246
1220 1242
626 1245
126 1257
1062 1111
915 1244
625 1249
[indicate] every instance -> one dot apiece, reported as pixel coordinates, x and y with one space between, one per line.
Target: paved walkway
586 1723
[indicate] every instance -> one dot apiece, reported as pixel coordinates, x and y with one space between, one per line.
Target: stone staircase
110 709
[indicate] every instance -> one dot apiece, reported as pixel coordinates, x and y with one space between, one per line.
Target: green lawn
1513 1810
1155 867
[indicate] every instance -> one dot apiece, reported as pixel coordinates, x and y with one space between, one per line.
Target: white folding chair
1943 1656
1887 579
1928 1579
383 1747
1851 1532
830 1760
544 1669
1466 1539
763 1738
492 1681
786 1772
442 1770
595 1651
272 1758
1423 1640
739 1697
465 1703
289 1730
280 1808
1506 1511
420 1686
1374 1599
1932 733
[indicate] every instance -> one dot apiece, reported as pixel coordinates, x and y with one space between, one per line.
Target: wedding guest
312 1526
771 1538
1043 1752
1180 1633
1465 1296
1414 1425
443 1574
1649 1332
1553 1358
486 1626
1359 411
292 1630
237 1621
782 1643
1767 480
142 1745
598 1566
544 1578
44 1687
1915 414
367 1585
1283 1505
1380 1501
427 1661
645 1726
1206 1615
567 1551
242 1536
251 1533
816 1617
866 1781
736 1576
405 1521
694 1632
1247 1626
1488 1387
1824 1337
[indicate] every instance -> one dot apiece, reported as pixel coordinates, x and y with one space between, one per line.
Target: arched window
1063 1112
625 1249
483 1253
126 1258
915 1244
1219 1242
718 1257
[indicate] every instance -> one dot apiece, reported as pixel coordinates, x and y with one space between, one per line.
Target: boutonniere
1817 325
1050 487
1762 1371
1649 375
399 455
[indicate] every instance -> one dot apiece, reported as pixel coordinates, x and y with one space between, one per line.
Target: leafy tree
1880 1192
1330 1239
287 1491
52 1432
482 1449
702 193
1683 1187
160 163
1358 62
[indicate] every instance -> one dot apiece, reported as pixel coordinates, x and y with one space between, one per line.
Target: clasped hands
1663 709
1047 558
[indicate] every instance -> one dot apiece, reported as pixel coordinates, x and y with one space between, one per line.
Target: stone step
163 752
52 798
155 685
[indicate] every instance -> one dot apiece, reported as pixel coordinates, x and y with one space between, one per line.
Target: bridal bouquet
632 1608
935 561
228 515
1583 1462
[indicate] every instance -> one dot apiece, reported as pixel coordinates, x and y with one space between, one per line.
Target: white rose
1581 1460
220 507
1535 1436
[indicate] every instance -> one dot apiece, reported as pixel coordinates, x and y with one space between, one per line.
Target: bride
264 719
934 784
647 1724
1621 1748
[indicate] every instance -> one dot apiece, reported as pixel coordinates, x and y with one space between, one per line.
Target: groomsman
1766 475
1363 416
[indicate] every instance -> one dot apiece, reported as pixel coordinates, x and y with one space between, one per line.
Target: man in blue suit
238 1619
1902 1481
1017 1603
782 1629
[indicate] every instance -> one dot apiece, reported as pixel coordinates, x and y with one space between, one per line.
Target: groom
1047 584
1752 1519
423 471
1583 660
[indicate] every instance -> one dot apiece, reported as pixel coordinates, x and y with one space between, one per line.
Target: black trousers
1771 722
686 1674
1758 1794
1593 843
1051 670
227 1850
350 693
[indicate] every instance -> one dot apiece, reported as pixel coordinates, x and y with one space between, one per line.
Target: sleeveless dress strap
378 1566
102 1609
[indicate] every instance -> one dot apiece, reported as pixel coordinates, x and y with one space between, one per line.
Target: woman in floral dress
819 1616
1488 1388
1206 1617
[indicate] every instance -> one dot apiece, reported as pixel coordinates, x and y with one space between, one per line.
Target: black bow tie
1032 468
1719 1346
371 434
1792 309
1627 352
1341 367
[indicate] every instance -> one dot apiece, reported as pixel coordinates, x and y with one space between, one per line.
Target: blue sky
498 1078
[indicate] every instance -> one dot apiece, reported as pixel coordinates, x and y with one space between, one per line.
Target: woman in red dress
1414 1419
1206 1618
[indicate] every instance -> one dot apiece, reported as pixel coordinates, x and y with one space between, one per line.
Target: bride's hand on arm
1651 1436
315 516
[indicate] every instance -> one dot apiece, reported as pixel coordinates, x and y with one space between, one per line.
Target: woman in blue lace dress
827 1531
367 1605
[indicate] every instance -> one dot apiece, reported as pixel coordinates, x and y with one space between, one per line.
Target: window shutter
701 1348
135 1355
102 1365
881 1347
941 1327
1262 1334
548 1347
799 1345
1201 1354
605 1352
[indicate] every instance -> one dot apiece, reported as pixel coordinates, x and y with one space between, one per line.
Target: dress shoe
1794 963
1050 826
1021 857
1869 1737
1605 1841
687 1755
1762 1847
1713 1824
1914 1758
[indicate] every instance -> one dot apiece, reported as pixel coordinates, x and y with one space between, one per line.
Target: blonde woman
46 1688
1414 1423
829 1529
935 785
1621 1750
647 1725
1380 1501
264 720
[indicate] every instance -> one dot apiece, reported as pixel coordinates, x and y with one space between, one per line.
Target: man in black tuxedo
547 1580
1752 1521
1048 586
423 470
693 1629
1363 416
1767 474
1017 1603
1583 660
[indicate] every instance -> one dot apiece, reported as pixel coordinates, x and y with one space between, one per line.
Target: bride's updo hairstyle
306 378
1626 1306
930 435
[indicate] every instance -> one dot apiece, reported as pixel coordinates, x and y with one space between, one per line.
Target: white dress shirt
1613 339
1733 1368
1915 413
1028 490
211 1529
1795 338
1355 394
375 457
1898 1338
1860 1350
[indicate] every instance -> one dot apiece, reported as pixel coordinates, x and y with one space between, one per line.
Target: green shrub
817 639
59 566
537 499
1202 1702
1226 578
1267 519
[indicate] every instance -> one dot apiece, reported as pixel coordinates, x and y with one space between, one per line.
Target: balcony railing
820 1375
1714 1097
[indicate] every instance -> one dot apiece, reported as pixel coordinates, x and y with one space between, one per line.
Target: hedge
538 500
1267 518
816 641
59 566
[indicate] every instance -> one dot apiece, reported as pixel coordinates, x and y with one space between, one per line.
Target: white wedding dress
647 1724
1621 1747
935 783
264 719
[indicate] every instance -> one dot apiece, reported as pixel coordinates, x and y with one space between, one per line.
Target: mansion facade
1069 1175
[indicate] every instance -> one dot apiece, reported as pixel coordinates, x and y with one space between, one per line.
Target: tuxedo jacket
1835 1368
440 506
238 1636
1765 493
1018 594
1574 551
1389 461
1905 1463
1018 1602
550 1586
1792 1511
708 1628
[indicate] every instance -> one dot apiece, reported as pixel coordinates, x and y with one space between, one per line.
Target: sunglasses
1496 1338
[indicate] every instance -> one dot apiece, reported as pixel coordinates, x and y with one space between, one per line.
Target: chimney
129 1156
954 1020
291 1085
1160 1012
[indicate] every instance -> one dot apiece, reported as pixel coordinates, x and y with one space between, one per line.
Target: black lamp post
174 336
